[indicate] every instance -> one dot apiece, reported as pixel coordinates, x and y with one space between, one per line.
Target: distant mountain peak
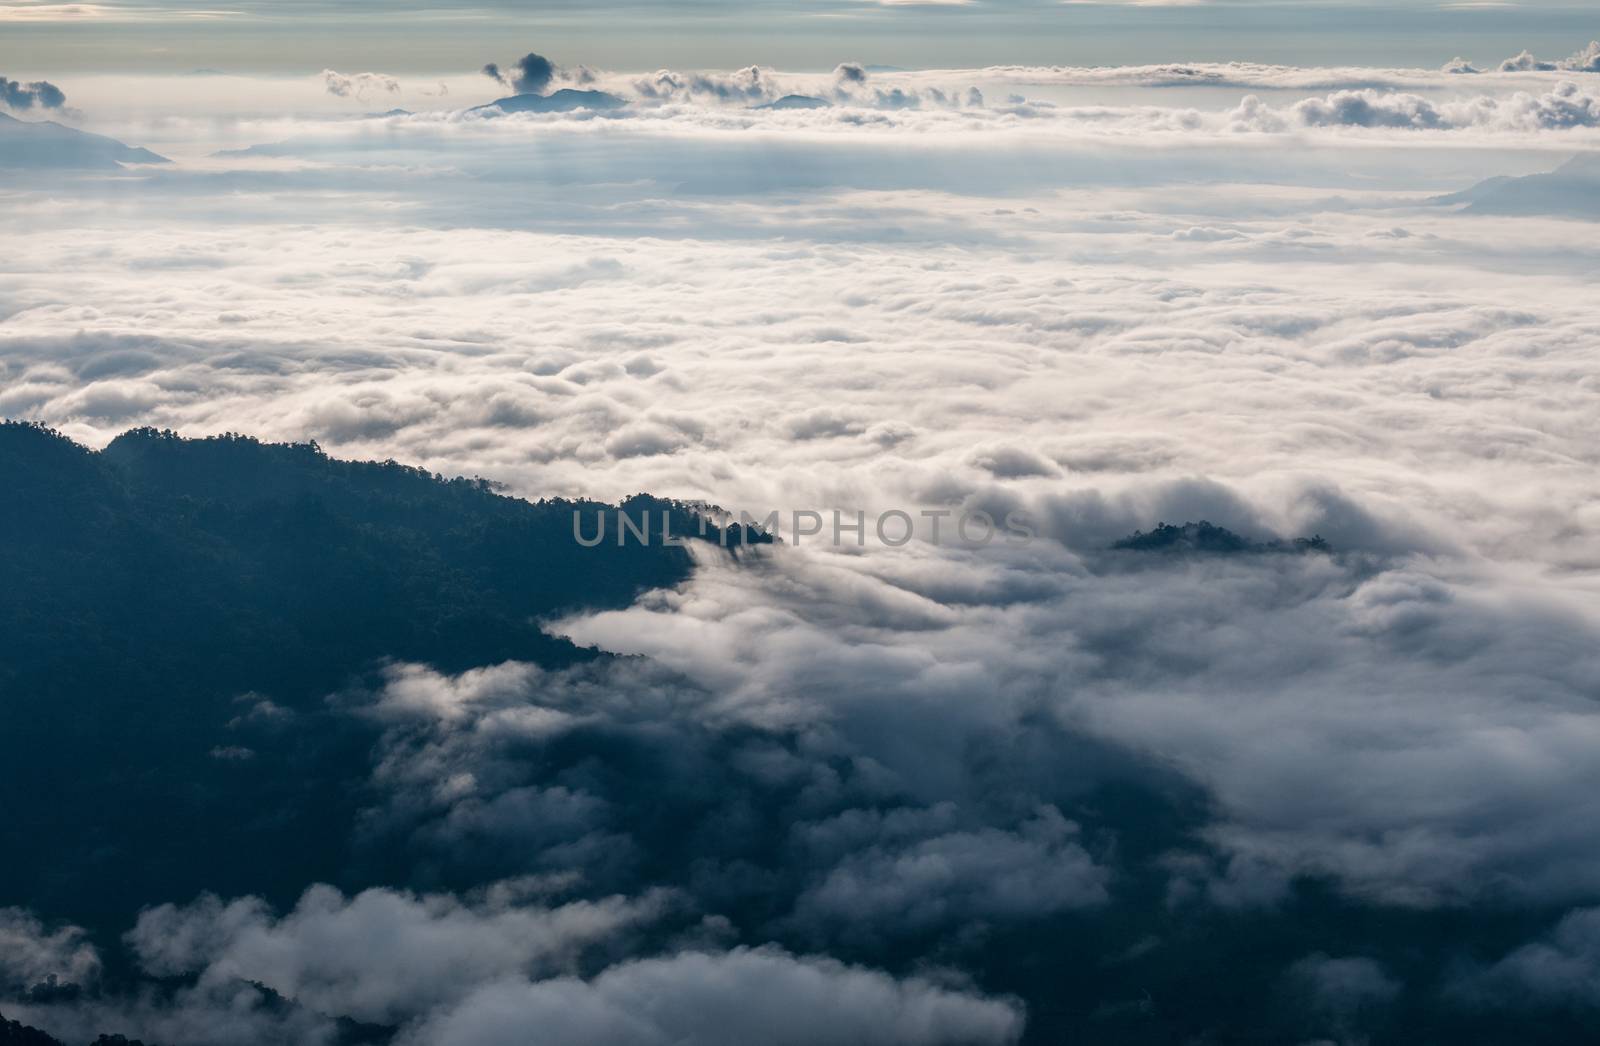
47 145
1207 537
562 101
796 101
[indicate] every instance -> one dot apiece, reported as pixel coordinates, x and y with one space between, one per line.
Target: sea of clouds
1104 315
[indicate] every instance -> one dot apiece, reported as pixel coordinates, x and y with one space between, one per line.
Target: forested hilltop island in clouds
1134 573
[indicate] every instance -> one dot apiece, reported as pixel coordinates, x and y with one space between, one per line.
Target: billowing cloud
381 956
1343 997
1525 62
32 953
1557 970
960 876
531 74
748 85
849 84
1586 60
697 999
39 94
441 970
342 85
1564 106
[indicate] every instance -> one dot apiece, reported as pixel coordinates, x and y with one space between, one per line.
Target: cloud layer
860 793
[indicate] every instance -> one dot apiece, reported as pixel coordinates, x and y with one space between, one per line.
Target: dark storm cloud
24 96
1342 985
532 74
1561 968
1343 999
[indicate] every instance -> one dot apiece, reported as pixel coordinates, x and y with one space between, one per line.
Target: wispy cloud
32 11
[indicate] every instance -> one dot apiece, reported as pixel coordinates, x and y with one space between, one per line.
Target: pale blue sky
42 37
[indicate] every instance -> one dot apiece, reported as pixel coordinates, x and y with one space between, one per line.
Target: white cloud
959 876
382 956
742 996
343 85
1566 105
1586 60
39 11
31 953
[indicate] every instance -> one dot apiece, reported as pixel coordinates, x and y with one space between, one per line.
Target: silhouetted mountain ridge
563 101
1207 537
13 1033
157 589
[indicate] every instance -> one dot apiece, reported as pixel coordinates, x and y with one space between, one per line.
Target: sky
441 38
1297 272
